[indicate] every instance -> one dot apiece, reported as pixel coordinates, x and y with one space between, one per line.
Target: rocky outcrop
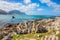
39 26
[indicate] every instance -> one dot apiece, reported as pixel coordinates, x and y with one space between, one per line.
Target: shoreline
29 21
27 27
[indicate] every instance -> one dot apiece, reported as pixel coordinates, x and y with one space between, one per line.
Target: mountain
2 12
17 12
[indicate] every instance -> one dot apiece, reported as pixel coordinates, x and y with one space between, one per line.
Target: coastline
37 26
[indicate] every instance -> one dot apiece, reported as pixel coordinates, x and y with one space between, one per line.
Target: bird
13 17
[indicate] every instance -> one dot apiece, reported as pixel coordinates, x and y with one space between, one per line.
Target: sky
32 7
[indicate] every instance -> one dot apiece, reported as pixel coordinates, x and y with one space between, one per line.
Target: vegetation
36 36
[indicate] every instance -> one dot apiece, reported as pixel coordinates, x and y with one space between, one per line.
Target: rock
1 36
42 29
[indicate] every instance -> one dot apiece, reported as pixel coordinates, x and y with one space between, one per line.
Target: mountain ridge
2 12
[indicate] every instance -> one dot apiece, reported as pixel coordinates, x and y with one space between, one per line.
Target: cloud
55 6
27 1
9 6
31 6
40 9
28 9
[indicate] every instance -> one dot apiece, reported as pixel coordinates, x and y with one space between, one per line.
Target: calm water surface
4 19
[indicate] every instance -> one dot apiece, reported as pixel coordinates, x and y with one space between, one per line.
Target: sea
4 19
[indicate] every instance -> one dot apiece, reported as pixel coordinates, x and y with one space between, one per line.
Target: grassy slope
36 36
